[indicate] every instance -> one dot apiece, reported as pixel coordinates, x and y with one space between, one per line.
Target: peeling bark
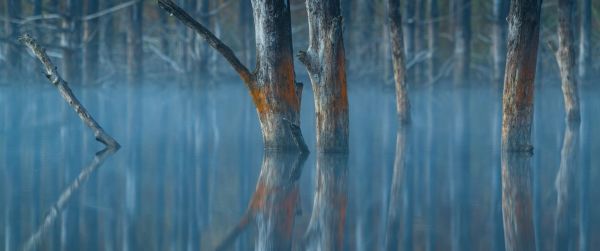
523 38
517 210
325 61
399 60
566 58
272 85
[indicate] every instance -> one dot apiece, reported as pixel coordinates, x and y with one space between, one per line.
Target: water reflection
399 224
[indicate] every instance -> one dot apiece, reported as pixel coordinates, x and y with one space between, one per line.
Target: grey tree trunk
523 38
566 58
409 29
325 61
500 12
71 39
462 41
432 39
272 85
134 43
91 42
585 46
246 25
13 56
399 60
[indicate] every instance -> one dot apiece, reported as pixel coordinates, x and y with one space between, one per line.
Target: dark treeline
98 41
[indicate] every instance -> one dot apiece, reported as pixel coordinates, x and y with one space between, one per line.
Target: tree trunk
326 227
70 40
13 56
517 201
566 58
399 60
134 43
432 41
523 38
409 29
325 61
272 85
585 45
500 12
246 24
91 44
366 46
399 213
462 41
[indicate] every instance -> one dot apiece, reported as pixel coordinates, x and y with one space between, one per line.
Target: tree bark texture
500 12
566 58
135 51
325 61
585 45
327 223
517 210
399 60
462 41
91 42
272 85
523 38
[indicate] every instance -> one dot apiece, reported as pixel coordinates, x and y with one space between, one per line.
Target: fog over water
191 160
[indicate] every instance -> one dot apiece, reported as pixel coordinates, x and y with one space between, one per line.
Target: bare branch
212 40
109 10
65 91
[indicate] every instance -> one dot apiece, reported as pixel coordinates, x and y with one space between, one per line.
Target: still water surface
192 175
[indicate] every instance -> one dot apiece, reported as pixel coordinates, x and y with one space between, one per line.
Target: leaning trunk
523 37
566 58
325 60
399 60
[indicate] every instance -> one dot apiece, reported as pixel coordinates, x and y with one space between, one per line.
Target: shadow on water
192 174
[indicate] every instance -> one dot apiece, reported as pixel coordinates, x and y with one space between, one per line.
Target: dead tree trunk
517 210
326 227
91 44
272 85
13 57
462 41
325 61
398 57
432 40
134 43
500 12
566 58
585 46
523 38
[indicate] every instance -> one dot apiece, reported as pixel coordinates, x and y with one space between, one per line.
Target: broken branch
67 94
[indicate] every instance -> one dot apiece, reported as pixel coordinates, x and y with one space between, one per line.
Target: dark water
191 169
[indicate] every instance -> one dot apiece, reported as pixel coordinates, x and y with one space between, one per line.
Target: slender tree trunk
523 38
566 57
398 57
135 51
585 45
325 61
432 41
91 44
462 41
326 227
409 29
500 12
246 25
394 234
272 85
71 40
517 210
13 56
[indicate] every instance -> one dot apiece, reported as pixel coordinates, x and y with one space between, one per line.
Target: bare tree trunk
246 25
325 61
135 51
462 41
326 227
398 57
517 210
500 12
585 46
566 58
91 44
432 40
272 85
13 56
523 38
409 29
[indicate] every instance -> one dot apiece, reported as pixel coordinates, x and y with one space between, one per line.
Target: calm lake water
191 169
